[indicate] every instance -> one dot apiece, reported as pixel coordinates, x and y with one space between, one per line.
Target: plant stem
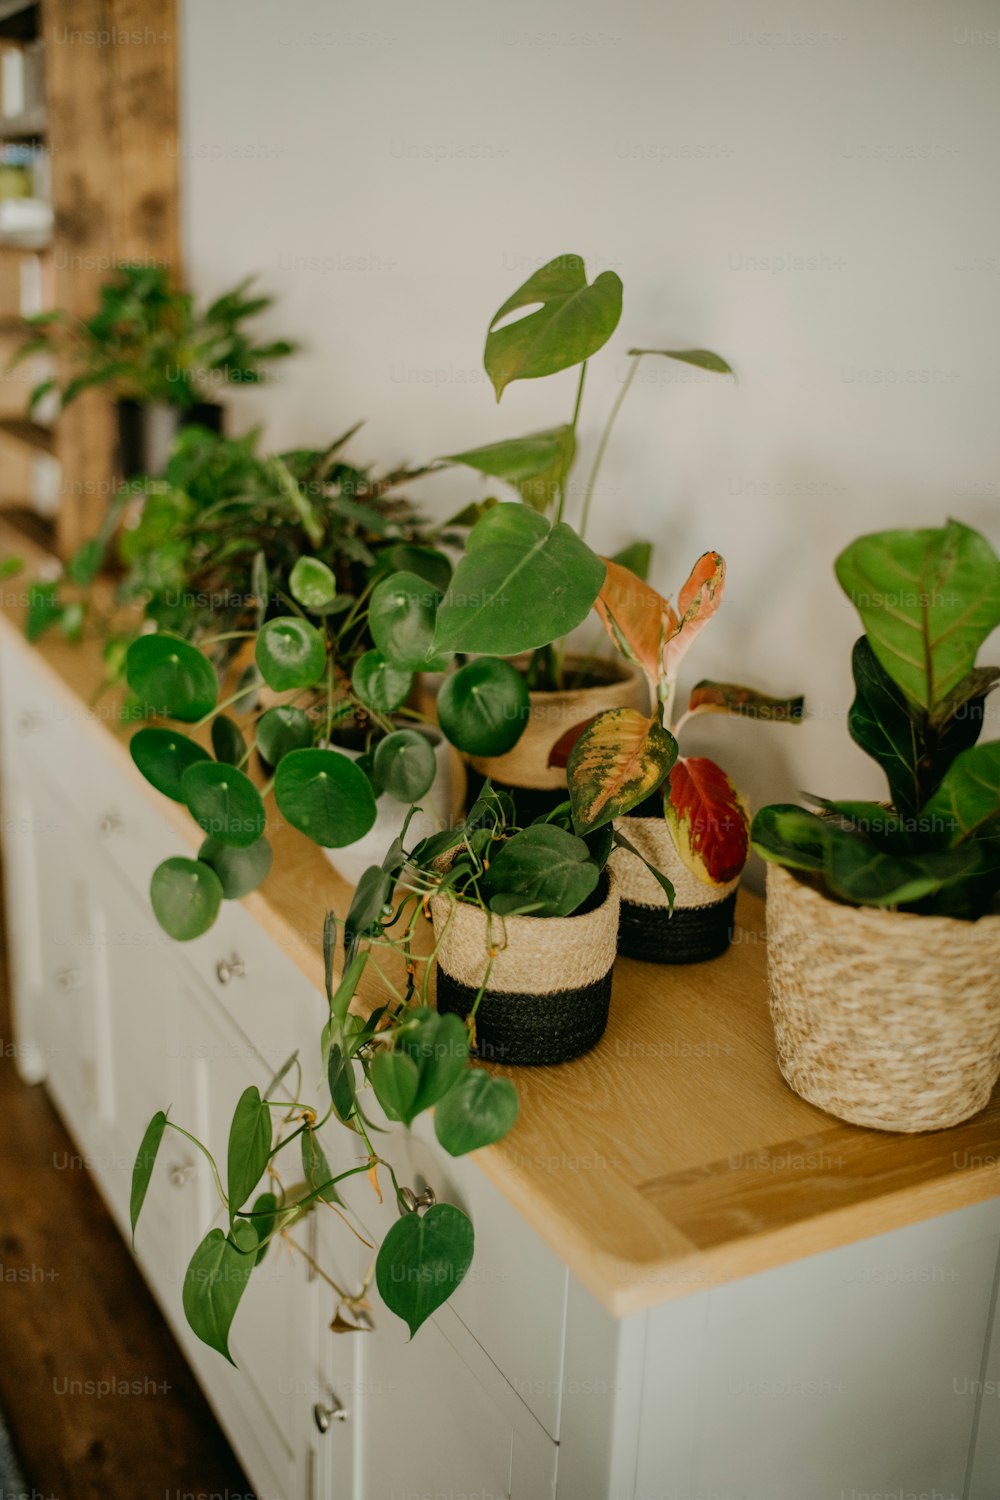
602 445
206 1153
245 692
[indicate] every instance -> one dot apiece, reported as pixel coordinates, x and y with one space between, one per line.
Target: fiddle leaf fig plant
928 599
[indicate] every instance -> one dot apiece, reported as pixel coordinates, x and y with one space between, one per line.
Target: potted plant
883 922
563 321
160 356
678 816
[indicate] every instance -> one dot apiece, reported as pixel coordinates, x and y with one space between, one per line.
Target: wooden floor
75 1312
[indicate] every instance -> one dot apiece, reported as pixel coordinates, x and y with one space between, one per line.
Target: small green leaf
395 1079
484 706
340 1076
439 1046
405 765
637 557
186 895
702 359
312 583
341 999
316 1168
265 1211
968 797
371 898
475 1112
324 795
214 1282
85 564
170 676
789 835
545 865
224 802
283 729
379 684
44 609
163 755
240 870
290 653
142 1171
401 618
227 741
573 321
249 1148
422 1261
536 465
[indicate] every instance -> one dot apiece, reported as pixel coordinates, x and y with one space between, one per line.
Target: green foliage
574 320
186 895
324 795
422 1260
405 765
240 869
172 677
163 755
224 802
483 708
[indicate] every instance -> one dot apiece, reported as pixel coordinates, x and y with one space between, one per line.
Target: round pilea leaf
283 729
186 896
324 795
401 617
227 741
312 583
405 765
163 755
484 707
240 870
170 676
379 684
290 653
224 802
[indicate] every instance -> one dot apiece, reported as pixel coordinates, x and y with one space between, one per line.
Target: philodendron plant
623 756
927 599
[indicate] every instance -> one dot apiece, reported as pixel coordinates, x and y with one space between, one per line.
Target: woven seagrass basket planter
550 985
882 1018
702 923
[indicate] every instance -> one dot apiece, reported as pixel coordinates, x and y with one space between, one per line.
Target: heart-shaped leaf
142 1171
311 583
163 755
380 685
249 1148
395 1078
544 866
475 1112
227 740
224 802
697 602
405 765
401 617
708 819
928 599
439 1046
215 1281
290 653
573 321
615 764
324 795
170 676
730 698
521 584
186 895
283 729
241 870
265 1216
422 1261
484 706
536 465
638 620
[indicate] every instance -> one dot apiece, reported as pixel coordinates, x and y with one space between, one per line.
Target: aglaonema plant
927 599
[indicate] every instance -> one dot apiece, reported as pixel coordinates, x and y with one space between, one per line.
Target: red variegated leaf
637 619
615 764
697 602
730 698
708 819
560 752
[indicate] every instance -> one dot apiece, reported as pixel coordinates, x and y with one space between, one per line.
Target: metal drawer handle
409 1202
66 980
335 1412
229 968
181 1173
109 823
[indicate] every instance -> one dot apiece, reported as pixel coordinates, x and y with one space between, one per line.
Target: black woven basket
692 935
531 1030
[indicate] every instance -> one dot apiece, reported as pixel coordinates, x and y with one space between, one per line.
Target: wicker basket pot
550 985
702 923
882 1018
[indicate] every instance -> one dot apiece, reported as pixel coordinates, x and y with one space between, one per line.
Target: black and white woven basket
550 985
702 923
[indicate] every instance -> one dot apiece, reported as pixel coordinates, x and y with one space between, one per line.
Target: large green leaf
163 755
968 797
186 895
544 866
401 618
405 765
439 1047
617 761
422 1260
573 321
522 583
249 1148
214 1282
324 795
283 729
224 802
395 1078
240 870
290 653
484 706
379 684
475 1112
145 1161
928 600
170 676
536 465
789 835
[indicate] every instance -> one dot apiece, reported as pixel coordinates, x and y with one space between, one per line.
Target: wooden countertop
671 1158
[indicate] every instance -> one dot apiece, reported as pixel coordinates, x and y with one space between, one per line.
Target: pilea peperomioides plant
928 599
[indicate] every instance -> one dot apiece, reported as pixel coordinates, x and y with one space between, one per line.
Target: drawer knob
109 823
409 1202
229 968
181 1173
335 1412
66 980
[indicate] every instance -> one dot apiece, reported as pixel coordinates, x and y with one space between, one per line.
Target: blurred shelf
23 127
32 433
20 20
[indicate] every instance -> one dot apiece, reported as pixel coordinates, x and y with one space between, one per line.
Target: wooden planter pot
882 1018
702 923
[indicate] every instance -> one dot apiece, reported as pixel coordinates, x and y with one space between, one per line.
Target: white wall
810 189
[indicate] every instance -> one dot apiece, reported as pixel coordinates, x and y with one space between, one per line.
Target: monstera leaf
571 321
615 764
708 819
